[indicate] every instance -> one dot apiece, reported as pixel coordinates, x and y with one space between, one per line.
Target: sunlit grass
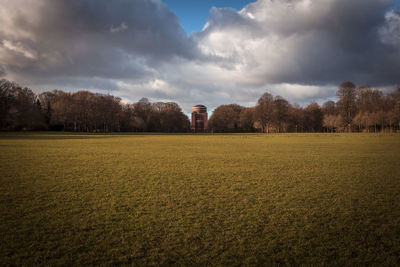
199 199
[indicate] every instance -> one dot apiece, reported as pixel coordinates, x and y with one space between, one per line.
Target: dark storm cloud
86 38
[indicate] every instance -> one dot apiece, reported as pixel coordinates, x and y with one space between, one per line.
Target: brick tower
199 119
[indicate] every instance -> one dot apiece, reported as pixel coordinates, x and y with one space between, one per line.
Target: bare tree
396 108
264 111
246 122
7 100
226 118
296 118
313 118
280 114
142 111
330 122
347 103
329 108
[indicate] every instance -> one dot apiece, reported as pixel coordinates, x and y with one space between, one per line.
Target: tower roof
199 109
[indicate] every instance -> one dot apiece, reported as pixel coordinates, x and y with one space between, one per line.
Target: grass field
321 199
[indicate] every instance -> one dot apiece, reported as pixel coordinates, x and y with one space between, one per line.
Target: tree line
358 109
84 111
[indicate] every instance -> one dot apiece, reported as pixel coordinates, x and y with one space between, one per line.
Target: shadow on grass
81 135
78 135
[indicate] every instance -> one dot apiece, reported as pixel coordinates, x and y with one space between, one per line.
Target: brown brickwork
199 119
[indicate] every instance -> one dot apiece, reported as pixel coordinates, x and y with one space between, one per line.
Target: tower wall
199 119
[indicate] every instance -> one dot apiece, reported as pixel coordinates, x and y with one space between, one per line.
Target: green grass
319 199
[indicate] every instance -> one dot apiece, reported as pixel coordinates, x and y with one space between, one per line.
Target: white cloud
19 48
120 28
390 32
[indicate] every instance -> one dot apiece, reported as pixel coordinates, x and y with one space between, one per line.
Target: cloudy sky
209 52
